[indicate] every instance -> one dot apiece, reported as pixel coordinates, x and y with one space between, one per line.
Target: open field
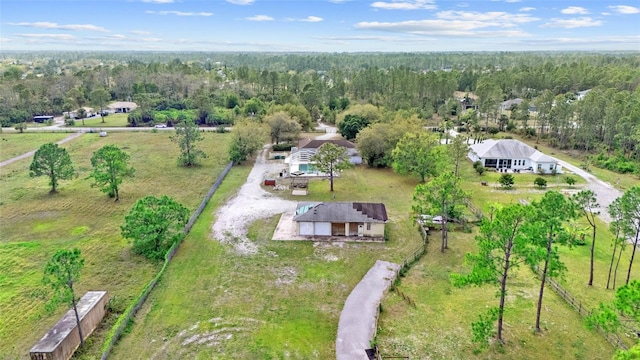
283 302
35 224
14 144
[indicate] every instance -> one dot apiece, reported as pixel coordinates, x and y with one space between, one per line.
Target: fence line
123 321
474 209
582 310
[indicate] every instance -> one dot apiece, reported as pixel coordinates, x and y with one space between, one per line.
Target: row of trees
519 234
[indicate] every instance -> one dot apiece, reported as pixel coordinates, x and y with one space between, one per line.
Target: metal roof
509 149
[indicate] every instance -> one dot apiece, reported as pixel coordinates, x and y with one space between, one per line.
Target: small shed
269 182
62 340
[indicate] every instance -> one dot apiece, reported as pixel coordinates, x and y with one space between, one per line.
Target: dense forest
589 102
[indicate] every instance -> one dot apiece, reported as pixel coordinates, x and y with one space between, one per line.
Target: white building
514 155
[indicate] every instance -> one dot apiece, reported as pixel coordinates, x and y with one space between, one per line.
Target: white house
122 106
514 155
300 159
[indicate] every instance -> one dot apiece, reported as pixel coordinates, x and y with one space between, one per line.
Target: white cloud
51 25
240 2
526 9
405 5
624 9
260 18
158 1
605 13
575 10
47 36
312 19
512 1
115 37
572 23
4 40
440 27
494 18
179 13
151 39
140 32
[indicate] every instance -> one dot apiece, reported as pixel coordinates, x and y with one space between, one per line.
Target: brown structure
60 342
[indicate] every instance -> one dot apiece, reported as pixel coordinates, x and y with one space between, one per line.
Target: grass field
14 144
112 120
35 224
283 302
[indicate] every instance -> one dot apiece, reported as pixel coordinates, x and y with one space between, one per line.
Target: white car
429 220
160 126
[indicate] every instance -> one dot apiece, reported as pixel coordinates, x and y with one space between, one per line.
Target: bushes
506 181
282 147
540 182
616 162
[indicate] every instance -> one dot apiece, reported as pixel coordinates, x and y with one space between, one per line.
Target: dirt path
250 204
30 153
357 323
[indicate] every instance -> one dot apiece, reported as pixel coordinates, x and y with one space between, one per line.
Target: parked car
160 126
429 220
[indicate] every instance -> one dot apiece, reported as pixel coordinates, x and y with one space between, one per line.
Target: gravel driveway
250 204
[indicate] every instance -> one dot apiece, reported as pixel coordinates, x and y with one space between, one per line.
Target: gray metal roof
509 149
341 212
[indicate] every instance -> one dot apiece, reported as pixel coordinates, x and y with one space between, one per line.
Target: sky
320 25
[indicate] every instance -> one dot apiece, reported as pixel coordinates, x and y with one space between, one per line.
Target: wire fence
123 321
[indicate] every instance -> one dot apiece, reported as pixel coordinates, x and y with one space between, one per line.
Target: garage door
306 228
323 228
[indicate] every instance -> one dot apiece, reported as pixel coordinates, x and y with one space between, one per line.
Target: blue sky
319 25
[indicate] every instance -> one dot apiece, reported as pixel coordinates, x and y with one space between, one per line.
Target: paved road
357 324
30 153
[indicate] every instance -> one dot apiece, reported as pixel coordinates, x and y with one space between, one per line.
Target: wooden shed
62 340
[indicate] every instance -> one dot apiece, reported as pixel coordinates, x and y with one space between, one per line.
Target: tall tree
546 231
154 225
617 228
501 248
630 204
110 166
351 125
186 136
283 127
82 114
458 150
247 138
61 272
586 201
417 154
100 98
443 196
331 158
54 162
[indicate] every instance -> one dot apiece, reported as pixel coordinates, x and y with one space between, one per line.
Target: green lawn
14 144
112 120
35 224
440 325
283 302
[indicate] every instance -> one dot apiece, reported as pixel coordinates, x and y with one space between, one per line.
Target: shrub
221 129
569 180
506 181
477 164
480 170
69 122
493 130
540 182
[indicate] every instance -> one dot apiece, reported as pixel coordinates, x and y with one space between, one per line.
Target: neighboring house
122 106
341 219
300 159
506 105
514 155
581 94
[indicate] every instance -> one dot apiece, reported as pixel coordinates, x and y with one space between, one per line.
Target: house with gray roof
350 219
513 155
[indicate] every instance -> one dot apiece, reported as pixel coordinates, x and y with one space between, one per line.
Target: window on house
368 226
